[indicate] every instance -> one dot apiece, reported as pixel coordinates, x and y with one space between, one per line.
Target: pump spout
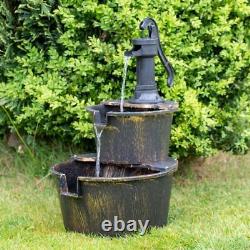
129 53
133 52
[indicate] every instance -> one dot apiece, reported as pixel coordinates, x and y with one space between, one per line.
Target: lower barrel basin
118 202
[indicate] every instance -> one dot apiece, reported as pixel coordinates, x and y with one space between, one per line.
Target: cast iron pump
145 49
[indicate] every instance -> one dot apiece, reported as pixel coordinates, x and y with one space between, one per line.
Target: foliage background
59 56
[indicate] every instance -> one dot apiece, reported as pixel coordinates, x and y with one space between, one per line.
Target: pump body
145 49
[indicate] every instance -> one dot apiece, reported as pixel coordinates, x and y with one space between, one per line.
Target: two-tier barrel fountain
128 180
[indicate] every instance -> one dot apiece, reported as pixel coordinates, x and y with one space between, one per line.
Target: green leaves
57 57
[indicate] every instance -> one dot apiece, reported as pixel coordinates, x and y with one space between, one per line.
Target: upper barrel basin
140 134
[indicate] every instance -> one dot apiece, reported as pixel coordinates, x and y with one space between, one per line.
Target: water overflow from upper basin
98 133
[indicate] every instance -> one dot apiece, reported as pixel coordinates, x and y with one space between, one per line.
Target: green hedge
59 56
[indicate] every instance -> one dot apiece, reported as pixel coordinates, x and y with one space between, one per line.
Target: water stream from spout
98 133
125 68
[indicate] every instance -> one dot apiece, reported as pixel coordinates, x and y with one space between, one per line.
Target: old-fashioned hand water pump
145 49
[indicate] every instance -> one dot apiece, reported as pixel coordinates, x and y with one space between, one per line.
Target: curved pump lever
150 24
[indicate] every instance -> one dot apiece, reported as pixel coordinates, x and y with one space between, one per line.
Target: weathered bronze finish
140 134
128 192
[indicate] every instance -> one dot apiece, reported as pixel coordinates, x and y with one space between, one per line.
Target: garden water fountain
130 176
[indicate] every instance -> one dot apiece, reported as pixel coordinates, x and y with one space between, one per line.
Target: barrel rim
117 179
167 107
160 173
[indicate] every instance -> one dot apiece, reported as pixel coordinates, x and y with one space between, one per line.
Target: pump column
146 91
